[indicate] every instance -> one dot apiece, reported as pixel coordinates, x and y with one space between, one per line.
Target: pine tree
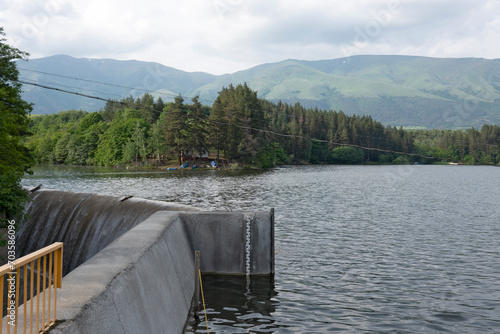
196 140
218 129
174 126
236 118
146 104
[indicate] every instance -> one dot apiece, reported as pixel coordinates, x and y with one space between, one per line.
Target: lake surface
360 249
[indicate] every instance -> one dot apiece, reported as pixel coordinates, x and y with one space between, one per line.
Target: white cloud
220 36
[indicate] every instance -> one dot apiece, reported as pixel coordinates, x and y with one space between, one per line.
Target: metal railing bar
31 295
49 288
6 268
44 288
25 297
18 272
38 296
47 262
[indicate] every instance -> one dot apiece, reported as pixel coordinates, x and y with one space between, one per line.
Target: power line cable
229 124
63 90
104 83
73 87
289 115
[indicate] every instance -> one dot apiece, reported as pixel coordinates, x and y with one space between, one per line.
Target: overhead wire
73 87
62 90
102 83
267 131
288 115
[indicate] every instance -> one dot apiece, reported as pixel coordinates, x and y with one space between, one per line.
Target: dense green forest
470 146
241 128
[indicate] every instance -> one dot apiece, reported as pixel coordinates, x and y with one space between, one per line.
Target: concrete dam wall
129 264
85 222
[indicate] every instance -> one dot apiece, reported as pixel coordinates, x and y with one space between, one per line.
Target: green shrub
347 155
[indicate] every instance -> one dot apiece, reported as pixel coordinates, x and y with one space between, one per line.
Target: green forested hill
104 78
396 90
241 128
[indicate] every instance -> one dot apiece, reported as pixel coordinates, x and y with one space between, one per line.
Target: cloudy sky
224 36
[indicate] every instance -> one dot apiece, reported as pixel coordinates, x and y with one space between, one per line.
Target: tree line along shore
241 129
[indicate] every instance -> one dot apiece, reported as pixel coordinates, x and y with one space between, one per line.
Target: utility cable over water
266 131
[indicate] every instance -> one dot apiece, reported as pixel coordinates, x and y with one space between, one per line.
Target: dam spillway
85 222
129 263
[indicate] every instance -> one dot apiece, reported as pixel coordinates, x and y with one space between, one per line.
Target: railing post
38 294
32 287
44 288
50 290
25 297
16 322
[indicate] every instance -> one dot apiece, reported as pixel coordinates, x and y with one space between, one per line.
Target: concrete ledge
141 283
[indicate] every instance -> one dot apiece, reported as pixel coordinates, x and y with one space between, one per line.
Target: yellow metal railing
44 277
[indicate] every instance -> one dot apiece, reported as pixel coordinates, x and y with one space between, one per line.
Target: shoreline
243 167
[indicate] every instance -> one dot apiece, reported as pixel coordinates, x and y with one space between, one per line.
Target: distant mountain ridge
396 90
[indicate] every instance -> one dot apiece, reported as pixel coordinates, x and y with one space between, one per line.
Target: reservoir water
359 249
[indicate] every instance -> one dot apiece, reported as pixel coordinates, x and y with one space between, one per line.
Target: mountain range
406 91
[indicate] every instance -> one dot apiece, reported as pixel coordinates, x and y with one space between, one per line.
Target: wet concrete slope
85 222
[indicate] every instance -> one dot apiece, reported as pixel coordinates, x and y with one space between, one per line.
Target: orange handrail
51 269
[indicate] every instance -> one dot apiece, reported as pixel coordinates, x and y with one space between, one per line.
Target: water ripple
370 249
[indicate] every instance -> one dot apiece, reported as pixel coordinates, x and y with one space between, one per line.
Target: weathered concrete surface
221 238
141 283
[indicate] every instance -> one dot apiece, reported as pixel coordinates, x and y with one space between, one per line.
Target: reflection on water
236 304
371 249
